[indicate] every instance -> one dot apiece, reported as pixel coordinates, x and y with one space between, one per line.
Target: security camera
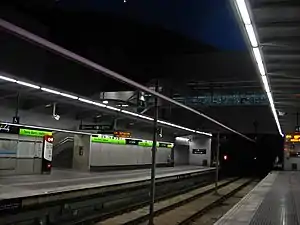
56 117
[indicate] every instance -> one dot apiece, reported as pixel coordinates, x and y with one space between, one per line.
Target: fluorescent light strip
91 102
259 61
113 108
204 133
243 11
130 113
182 139
183 128
137 115
266 83
251 35
145 117
28 84
8 79
50 91
242 7
68 96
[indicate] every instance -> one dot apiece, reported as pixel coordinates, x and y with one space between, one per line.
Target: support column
153 165
81 152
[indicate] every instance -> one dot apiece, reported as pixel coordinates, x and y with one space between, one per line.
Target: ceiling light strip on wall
28 84
87 101
244 13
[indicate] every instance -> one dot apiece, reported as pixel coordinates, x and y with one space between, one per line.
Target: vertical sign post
47 154
217 163
153 165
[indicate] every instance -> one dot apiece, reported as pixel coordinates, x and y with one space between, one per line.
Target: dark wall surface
245 158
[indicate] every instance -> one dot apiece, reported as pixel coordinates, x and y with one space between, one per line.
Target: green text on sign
34 133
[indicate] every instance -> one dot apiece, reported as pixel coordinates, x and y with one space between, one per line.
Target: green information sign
34 133
109 140
126 141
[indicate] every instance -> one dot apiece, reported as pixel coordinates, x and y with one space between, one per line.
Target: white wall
113 155
200 142
23 154
181 152
82 161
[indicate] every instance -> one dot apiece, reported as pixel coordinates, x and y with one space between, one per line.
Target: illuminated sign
34 133
122 134
128 141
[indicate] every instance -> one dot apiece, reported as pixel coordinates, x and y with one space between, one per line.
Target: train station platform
275 200
69 180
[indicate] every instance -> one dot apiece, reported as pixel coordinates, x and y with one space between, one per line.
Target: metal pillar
217 163
17 105
153 165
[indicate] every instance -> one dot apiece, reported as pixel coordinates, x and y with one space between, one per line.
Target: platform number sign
16 120
47 153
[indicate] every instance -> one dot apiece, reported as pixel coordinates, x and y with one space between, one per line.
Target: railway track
185 208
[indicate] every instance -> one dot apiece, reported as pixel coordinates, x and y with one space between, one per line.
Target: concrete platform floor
67 180
274 201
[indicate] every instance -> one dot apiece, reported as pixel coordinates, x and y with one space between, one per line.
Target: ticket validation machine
47 154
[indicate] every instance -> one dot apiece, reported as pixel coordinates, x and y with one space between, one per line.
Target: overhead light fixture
266 83
54 114
105 102
259 61
28 84
243 11
50 91
145 117
91 102
113 108
182 139
270 98
8 79
251 35
130 113
68 96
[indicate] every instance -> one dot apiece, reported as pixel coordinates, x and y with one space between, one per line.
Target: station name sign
11 129
128 141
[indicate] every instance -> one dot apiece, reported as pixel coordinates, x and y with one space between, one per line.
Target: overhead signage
199 151
132 142
34 133
16 120
108 140
294 138
8 129
99 127
123 134
128 141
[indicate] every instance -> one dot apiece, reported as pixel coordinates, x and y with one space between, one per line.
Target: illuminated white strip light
91 102
242 7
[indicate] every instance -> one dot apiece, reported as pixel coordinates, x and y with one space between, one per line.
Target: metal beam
274 4
17 31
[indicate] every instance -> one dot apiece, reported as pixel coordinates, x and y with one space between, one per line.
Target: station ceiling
278 28
183 65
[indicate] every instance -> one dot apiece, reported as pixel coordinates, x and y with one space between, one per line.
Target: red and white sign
48 147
